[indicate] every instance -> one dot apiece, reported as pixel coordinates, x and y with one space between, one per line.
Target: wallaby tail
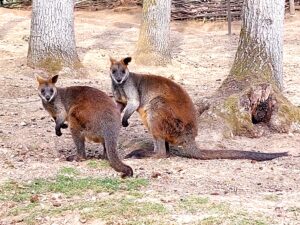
192 151
111 149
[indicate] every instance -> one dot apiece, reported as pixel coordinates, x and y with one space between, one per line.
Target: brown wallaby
90 114
169 114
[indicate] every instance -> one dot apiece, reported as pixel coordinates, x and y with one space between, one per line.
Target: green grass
98 164
123 201
193 204
211 221
68 182
68 171
67 185
125 208
232 221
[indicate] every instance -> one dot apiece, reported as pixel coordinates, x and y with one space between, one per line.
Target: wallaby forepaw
58 132
125 123
64 126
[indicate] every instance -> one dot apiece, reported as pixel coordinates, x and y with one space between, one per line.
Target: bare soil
202 56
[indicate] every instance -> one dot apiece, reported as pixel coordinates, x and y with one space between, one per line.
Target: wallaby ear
54 79
112 61
126 60
40 79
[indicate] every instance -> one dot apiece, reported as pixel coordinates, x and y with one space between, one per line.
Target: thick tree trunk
292 7
52 38
249 102
259 55
153 47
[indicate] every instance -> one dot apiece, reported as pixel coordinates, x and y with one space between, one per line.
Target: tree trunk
259 55
153 47
249 101
292 7
52 38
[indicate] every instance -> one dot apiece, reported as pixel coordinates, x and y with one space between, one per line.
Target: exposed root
261 103
151 58
202 105
56 65
251 112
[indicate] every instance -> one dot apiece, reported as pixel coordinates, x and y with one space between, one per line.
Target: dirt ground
188 191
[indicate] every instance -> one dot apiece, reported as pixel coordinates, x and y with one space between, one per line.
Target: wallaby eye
43 91
51 91
114 71
123 71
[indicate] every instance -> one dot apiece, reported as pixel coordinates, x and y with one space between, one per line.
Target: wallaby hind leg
79 141
167 147
104 155
160 148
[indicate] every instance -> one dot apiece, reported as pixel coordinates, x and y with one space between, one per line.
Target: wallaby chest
119 94
55 109
122 92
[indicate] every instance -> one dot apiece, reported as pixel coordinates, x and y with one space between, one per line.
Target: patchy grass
97 164
67 185
124 203
273 198
234 219
294 209
193 204
126 209
244 218
216 213
211 221
68 171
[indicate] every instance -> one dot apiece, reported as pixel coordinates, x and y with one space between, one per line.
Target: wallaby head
46 88
118 70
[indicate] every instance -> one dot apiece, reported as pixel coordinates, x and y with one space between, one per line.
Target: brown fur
91 114
167 111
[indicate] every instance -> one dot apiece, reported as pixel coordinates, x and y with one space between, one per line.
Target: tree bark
292 7
153 47
249 102
52 38
260 51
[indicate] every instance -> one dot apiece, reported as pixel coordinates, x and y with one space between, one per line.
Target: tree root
151 58
252 112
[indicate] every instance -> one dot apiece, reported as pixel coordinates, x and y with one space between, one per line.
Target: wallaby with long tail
90 114
169 114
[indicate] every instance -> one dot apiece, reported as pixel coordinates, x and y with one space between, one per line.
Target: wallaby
90 114
169 114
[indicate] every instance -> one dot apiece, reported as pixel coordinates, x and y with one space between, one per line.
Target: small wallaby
90 114
169 114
